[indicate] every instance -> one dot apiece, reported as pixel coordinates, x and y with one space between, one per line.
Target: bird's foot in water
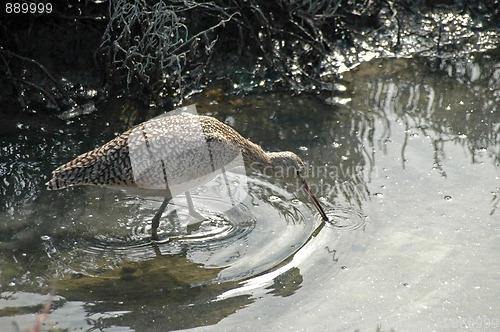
195 221
154 234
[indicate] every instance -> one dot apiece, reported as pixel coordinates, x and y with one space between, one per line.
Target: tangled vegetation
161 51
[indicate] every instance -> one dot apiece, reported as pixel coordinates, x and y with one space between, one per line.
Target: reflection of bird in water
172 154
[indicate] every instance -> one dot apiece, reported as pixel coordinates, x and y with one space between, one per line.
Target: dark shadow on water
63 247
59 239
156 293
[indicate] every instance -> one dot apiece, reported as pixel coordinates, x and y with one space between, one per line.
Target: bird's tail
56 183
108 165
76 172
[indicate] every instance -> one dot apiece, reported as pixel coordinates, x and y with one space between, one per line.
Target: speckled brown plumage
172 154
175 141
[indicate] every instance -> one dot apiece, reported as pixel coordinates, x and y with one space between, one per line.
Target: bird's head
288 164
285 164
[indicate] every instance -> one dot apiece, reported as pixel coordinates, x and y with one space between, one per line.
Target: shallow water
406 162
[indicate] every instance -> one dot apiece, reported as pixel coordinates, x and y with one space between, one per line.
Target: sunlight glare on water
408 174
241 241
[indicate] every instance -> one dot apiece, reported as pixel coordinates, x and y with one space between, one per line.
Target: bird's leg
226 181
190 204
156 219
192 212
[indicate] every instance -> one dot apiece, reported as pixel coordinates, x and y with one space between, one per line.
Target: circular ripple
258 235
345 218
177 232
260 232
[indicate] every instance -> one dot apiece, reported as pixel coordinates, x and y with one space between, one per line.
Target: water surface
406 162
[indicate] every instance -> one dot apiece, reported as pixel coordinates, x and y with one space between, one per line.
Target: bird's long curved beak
313 198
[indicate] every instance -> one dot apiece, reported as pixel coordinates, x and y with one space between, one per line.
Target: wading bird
172 154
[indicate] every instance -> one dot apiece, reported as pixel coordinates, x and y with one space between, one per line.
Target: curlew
172 154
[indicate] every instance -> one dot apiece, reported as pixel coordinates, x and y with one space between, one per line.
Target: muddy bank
77 56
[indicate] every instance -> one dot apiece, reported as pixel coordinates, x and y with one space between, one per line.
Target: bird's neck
268 163
280 164
254 157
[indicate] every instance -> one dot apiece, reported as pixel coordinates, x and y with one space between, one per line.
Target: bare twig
42 68
39 88
14 83
40 318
